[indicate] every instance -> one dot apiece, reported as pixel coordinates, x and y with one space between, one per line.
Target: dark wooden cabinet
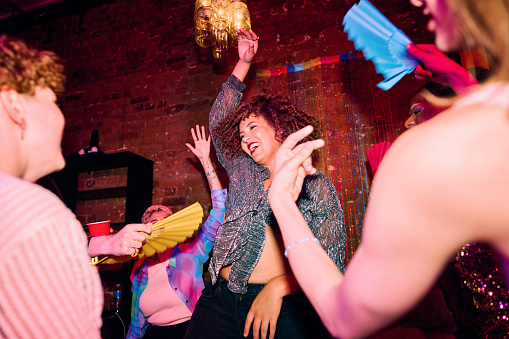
137 191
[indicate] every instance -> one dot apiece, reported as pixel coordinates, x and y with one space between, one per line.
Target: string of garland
287 69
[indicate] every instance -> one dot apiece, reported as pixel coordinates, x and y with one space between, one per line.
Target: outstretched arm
440 68
201 150
409 233
231 93
229 97
125 242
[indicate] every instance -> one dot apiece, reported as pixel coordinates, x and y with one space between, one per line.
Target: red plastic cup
99 228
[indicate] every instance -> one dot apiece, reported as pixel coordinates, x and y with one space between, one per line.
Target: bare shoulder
454 167
441 185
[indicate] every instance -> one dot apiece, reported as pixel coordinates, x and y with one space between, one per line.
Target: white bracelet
209 173
298 242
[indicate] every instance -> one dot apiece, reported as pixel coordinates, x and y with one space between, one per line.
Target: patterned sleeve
139 323
324 215
226 102
204 241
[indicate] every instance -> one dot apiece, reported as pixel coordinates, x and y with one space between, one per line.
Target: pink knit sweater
48 289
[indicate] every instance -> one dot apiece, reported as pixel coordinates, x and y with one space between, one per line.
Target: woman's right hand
201 147
125 242
248 45
129 239
292 164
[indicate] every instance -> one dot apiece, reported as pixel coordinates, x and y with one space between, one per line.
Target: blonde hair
485 24
23 68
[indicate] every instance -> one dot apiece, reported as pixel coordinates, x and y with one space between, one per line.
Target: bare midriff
271 264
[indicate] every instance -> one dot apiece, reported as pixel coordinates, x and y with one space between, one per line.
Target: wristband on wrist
209 173
298 242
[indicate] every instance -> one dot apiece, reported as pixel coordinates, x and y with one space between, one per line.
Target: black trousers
166 332
221 314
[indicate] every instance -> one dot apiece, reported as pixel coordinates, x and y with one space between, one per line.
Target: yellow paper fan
166 233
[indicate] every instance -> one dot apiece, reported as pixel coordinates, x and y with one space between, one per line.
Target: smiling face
442 22
258 140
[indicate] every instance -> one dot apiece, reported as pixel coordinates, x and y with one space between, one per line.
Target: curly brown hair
23 68
276 109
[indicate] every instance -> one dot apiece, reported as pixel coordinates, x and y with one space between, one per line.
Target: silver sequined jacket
240 240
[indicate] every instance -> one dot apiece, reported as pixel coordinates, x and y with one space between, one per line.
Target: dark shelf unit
138 192
103 193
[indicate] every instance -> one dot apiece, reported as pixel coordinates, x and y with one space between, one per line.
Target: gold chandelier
217 21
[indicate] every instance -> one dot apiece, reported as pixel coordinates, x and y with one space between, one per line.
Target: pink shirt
159 302
48 288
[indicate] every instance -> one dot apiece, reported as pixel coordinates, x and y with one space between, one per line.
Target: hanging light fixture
217 21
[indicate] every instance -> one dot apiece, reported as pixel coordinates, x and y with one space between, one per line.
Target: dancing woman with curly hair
252 291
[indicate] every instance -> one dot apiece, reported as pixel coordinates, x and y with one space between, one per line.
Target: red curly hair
23 68
276 109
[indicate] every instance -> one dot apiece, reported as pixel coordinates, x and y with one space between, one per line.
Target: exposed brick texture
135 73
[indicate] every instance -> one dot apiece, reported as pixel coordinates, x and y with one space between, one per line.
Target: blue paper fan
381 42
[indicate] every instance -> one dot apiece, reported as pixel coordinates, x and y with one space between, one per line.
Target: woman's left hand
264 312
438 67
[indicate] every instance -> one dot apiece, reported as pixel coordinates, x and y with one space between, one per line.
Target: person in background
167 285
429 100
413 227
252 291
48 287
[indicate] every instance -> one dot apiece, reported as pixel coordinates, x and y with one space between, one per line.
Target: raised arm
230 95
231 92
201 150
202 244
248 46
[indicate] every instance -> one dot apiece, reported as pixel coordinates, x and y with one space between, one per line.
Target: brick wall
135 74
